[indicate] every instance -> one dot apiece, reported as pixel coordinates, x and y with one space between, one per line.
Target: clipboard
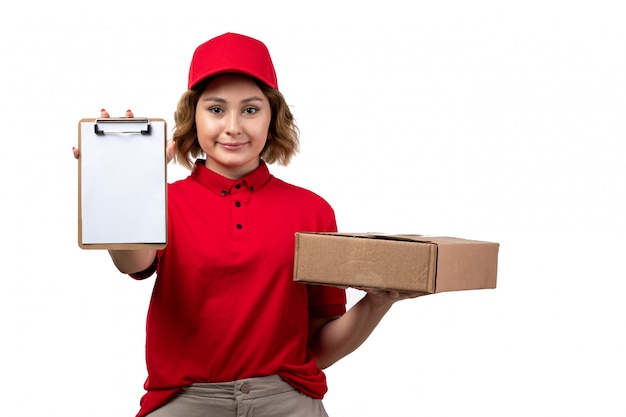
122 183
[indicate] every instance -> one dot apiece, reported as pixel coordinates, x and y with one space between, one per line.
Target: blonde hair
283 136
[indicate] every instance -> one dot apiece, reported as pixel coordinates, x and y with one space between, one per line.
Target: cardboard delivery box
395 262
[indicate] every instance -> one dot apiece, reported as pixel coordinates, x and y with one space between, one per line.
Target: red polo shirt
224 305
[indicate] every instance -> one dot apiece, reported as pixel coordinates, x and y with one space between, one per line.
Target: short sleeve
326 301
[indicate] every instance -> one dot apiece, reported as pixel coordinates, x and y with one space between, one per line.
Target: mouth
232 146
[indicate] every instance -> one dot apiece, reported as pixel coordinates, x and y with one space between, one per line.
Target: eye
215 109
250 110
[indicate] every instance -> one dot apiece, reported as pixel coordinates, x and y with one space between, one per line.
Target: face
232 120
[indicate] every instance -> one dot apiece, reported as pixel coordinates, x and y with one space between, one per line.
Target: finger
76 152
129 113
169 151
104 113
413 294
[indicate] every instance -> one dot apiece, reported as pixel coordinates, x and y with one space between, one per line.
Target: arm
332 339
132 261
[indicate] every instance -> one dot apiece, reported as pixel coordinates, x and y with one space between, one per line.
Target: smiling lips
232 146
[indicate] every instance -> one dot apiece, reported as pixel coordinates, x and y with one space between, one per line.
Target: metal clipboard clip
118 122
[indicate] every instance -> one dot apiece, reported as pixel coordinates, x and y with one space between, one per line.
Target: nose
233 124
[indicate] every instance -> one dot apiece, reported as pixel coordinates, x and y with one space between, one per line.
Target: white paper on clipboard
122 183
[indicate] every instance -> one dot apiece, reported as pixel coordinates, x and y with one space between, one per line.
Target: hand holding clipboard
169 149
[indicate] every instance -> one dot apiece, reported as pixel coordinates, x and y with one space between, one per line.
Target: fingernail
102 110
128 111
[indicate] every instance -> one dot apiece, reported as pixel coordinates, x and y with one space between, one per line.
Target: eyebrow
244 101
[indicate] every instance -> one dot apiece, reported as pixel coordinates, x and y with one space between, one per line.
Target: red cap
232 52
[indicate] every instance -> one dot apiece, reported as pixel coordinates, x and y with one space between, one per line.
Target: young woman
229 333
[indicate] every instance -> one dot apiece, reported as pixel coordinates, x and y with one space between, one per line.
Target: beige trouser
253 397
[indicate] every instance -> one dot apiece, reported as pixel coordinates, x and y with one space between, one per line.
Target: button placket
239 214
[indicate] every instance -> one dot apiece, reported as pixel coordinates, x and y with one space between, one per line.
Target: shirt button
237 204
223 192
245 388
238 186
239 226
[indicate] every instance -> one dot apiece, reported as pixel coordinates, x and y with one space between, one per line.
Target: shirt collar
222 186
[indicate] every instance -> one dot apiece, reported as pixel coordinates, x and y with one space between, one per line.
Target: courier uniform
224 305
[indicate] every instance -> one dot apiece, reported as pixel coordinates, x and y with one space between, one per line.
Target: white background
489 120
